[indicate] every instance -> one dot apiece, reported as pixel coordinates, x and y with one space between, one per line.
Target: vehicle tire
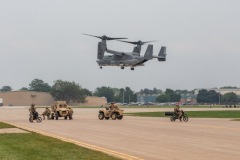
120 117
31 119
185 118
172 118
114 116
107 118
101 116
39 119
70 117
65 117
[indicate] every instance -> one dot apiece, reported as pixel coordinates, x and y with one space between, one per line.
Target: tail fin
101 50
149 52
162 54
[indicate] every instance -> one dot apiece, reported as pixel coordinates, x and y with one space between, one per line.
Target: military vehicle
61 109
107 113
126 59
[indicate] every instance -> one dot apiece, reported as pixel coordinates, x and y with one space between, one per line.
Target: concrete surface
138 137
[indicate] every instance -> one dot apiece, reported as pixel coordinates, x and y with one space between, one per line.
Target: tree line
71 91
211 96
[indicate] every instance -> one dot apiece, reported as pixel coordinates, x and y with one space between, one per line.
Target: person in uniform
47 113
178 111
112 106
32 108
33 111
70 110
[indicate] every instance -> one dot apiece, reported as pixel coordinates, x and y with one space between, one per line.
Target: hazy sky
43 39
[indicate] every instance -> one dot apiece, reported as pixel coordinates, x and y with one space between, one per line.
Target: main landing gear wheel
132 68
122 67
100 67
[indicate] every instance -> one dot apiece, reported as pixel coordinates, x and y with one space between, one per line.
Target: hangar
25 98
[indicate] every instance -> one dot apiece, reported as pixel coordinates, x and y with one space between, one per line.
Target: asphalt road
138 137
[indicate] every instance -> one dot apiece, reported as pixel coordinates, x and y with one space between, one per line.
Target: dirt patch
12 130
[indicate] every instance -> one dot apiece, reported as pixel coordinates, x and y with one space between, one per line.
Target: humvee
107 113
61 109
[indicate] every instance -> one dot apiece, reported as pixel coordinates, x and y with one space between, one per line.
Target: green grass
38 147
4 125
193 114
166 106
35 146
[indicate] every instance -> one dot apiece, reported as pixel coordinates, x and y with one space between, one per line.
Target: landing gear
100 67
132 68
122 67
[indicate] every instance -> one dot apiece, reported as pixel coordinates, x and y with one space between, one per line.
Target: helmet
33 105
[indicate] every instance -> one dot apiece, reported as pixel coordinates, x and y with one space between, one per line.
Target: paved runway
138 137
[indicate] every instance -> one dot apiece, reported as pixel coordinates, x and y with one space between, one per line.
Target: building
26 98
188 99
143 98
222 91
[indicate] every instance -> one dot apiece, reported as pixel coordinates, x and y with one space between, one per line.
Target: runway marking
82 144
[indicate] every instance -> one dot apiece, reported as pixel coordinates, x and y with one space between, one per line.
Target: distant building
142 98
26 98
188 99
222 91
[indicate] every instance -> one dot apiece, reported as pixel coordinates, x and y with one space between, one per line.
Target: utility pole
219 98
123 96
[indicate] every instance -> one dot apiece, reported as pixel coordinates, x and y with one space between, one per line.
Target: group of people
47 111
113 106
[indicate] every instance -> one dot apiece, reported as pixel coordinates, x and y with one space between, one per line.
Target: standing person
47 113
178 112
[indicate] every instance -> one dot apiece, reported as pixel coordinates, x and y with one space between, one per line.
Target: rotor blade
149 41
128 42
103 37
92 35
109 38
138 42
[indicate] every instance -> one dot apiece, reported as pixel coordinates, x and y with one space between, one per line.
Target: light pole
219 98
123 96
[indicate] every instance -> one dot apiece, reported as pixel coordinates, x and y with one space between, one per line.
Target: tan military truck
107 113
61 109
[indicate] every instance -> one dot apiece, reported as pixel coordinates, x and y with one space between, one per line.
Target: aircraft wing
117 53
140 62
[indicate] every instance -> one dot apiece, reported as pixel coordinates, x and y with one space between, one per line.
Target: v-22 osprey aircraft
125 59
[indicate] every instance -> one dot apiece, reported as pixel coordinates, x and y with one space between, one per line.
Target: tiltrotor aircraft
126 59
